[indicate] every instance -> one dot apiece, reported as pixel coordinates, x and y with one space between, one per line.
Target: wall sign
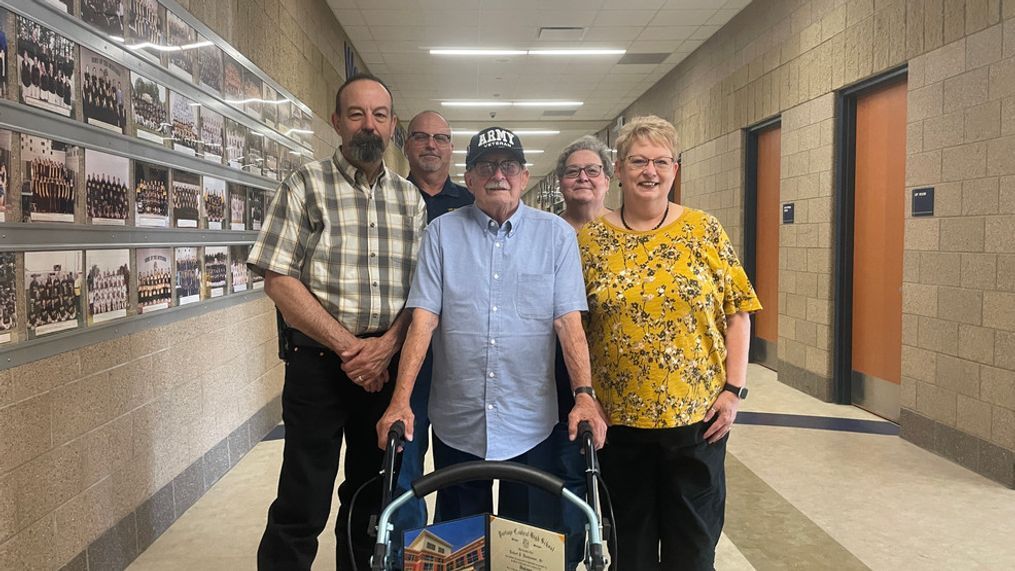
788 212
923 201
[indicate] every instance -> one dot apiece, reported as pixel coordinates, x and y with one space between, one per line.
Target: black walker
595 559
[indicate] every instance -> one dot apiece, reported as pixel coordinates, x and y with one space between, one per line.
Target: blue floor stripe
818 422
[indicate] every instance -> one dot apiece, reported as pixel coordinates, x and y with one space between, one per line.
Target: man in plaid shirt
337 250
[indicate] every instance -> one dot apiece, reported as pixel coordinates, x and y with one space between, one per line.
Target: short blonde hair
650 127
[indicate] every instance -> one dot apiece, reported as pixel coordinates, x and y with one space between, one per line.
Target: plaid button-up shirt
354 246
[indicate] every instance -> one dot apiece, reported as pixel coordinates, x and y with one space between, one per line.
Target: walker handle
486 470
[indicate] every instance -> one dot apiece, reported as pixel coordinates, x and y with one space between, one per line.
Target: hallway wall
102 448
789 57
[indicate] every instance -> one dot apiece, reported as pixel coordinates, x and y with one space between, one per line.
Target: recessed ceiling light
577 52
475 103
479 52
515 131
557 52
530 103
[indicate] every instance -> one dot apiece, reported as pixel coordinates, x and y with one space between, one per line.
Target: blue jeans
569 465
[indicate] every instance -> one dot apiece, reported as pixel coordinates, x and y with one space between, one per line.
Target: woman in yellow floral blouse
668 331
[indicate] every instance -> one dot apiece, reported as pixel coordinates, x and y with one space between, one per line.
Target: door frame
844 211
761 350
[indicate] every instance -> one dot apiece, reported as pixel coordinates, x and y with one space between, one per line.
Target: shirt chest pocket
534 296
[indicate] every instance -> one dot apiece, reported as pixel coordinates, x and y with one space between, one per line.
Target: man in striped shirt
337 250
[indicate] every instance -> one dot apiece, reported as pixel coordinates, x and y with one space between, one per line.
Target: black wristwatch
585 390
741 392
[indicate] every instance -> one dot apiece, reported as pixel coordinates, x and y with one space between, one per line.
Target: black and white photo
106 284
184 117
236 144
53 287
6 198
151 195
186 199
253 162
106 15
104 87
269 167
255 198
46 66
150 103
271 101
188 275
154 278
5 56
181 62
216 266
212 126
209 66
232 82
8 296
106 187
238 272
47 188
252 94
237 206
214 202
145 27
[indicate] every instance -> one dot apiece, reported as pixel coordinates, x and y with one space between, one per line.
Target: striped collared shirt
354 246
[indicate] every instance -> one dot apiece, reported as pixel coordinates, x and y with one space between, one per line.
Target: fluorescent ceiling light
512 103
479 52
577 52
515 131
557 52
527 151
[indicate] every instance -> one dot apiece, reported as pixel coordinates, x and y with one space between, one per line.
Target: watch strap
741 392
585 390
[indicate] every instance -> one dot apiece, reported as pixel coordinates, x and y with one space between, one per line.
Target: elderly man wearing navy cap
495 284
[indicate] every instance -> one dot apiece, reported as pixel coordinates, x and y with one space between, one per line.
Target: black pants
320 405
668 488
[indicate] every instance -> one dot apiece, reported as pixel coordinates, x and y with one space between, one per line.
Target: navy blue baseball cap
493 139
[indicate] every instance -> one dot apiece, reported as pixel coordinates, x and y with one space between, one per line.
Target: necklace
624 222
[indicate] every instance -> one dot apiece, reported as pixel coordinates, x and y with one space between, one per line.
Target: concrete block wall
102 448
788 58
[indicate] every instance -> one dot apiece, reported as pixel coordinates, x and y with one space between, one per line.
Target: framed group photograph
5 52
104 87
212 143
269 167
271 99
237 206
106 279
186 199
255 198
238 267
181 62
232 82
154 278
209 67
53 287
5 174
184 117
151 195
8 296
236 143
214 202
47 189
150 102
46 65
216 259
188 275
105 15
106 183
254 158
146 24
252 94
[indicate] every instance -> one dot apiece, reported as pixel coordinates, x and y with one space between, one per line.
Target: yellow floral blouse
656 325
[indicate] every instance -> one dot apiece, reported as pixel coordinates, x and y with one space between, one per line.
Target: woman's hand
724 410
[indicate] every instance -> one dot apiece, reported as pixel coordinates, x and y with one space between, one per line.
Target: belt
298 339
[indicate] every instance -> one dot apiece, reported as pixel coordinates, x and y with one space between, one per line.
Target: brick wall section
788 57
91 434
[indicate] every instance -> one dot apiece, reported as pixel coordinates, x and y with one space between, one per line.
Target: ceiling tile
654 46
390 17
358 33
350 18
682 17
704 32
617 34
633 4
608 18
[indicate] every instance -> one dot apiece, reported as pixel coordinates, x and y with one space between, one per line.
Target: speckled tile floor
798 499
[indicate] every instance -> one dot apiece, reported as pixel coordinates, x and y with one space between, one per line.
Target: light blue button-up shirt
497 290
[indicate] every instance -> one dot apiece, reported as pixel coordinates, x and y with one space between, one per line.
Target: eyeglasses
487 168
591 171
421 138
639 163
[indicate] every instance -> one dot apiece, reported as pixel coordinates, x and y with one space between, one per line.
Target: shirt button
373 255
494 308
372 225
375 284
491 375
493 342
499 244
496 276
489 407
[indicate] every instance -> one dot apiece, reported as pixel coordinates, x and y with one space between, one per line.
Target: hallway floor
811 486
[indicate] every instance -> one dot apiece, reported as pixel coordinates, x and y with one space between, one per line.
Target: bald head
428 146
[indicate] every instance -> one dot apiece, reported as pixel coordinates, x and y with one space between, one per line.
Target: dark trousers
517 501
569 465
668 488
320 406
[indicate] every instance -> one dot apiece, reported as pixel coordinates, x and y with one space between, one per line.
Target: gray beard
366 148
